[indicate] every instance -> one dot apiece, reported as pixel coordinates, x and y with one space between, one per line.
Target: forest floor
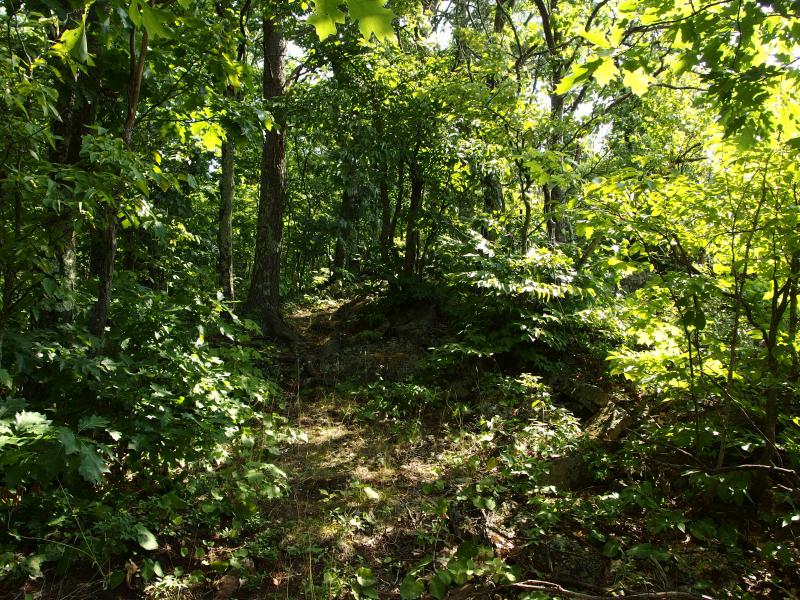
382 501
388 503
403 482
355 500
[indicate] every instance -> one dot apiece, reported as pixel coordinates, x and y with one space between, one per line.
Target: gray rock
608 424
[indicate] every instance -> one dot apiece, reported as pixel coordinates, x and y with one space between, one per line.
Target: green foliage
510 304
574 192
372 17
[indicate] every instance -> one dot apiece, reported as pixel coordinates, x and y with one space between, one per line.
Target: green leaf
371 493
641 551
68 440
445 577
92 467
411 588
638 80
606 71
5 379
134 13
611 548
154 21
145 538
365 578
50 285
73 43
31 422
579 73
703 530
142 185
372 17
92 422
728 534
325 17
437 588
596 37
115 579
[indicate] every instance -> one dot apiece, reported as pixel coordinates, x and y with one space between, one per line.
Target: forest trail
355 481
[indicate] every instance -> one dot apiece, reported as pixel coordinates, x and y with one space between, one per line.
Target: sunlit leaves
579 73
602 69
606 71
31 422
146 538
326 16
373 18
638 80
73 42
153 19
208 134
596 37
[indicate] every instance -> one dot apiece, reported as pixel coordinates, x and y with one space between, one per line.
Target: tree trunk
225 233
526 223
412 225
76 114
8 266
554 197
398 206
263 300
107 247
341 253
347 211
386 216
105 272
227 185
492 202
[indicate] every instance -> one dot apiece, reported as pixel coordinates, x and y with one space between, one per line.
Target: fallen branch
555 589
690 469
753 467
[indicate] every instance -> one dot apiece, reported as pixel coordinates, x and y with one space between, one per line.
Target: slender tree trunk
9 269
386 215
227 184
76 115
492 202
105 271
794 370
347 215
347 212
107 247
398 205
412 225
554 197
525 186
225 233
263 300
341 253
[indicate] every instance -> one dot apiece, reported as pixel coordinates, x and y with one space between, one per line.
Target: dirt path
355 484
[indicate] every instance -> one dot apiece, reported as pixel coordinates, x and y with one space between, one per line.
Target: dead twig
536 585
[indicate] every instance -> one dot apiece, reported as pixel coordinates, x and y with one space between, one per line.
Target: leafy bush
182 392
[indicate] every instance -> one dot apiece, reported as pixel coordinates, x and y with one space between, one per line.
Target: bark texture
107 242
225 232
263 300
412 225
